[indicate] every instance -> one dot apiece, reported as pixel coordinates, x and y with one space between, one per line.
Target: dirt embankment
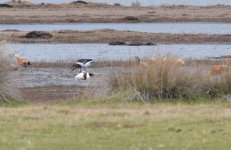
92 12
108 36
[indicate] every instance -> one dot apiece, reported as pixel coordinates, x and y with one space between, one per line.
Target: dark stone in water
38 34
150 44
140 44
6 5
132 44
117 43
79 2
135 44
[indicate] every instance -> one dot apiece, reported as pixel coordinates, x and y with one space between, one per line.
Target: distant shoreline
28 13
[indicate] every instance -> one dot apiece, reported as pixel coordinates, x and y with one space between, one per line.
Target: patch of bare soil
112 36
102 124
55 92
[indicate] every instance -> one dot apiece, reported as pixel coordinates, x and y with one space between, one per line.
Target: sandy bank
92 12
108 36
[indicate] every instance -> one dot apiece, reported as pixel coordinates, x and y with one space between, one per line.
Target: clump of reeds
7 89
168 81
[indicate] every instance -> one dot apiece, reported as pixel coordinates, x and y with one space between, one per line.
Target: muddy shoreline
93 12
97 86
108 36
128 63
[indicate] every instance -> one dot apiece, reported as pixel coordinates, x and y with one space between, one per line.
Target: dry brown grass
7 90
164 80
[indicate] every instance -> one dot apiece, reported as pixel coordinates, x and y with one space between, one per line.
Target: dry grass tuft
7 90
166 80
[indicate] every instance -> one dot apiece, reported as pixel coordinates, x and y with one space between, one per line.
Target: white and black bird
83 75
82 63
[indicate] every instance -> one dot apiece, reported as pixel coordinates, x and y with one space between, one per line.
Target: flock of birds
82 64
215 69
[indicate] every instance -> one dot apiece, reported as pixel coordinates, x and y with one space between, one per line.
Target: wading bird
83 76
82 63
218 69
22 61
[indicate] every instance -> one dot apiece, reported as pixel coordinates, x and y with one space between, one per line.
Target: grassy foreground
92 125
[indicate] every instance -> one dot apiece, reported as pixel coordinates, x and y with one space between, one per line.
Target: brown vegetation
166 80
38 34
8 91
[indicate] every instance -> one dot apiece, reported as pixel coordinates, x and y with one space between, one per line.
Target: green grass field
109 125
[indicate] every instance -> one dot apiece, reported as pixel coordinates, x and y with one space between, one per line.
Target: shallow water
31 77
184 27
56 52
144 2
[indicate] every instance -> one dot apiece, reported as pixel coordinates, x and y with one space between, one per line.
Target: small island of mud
109 36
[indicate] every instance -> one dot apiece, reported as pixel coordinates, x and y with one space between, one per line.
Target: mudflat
93 12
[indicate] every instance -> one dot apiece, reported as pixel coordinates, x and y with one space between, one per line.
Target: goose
218 69
176 62
83 76
82 63
22 61
154 61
